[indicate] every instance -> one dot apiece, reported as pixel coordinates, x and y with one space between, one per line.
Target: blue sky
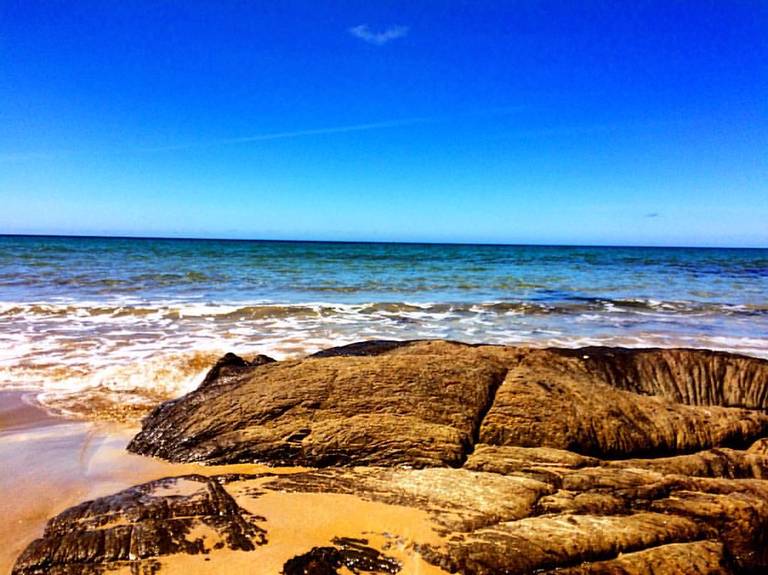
523 122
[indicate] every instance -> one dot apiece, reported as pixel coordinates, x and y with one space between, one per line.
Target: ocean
123 321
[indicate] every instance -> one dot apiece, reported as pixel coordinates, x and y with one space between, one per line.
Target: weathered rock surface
353 554
428 403
592 518
696 558
191 514
377 410
525 461
559 398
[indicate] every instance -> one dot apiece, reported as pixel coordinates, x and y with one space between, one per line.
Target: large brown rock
543 403
428 403
388 409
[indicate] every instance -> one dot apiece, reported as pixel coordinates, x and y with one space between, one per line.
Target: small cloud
652 215
378 38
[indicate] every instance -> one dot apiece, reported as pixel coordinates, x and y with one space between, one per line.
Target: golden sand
296 522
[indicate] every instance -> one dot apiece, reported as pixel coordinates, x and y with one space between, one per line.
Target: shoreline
58 462
19 412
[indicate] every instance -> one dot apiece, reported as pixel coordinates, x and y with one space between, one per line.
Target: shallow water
129 322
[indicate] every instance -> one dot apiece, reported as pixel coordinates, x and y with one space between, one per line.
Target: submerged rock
524 461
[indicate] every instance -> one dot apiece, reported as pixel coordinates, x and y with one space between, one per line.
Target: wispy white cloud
19 157
402 122
295 134
378 38
13 157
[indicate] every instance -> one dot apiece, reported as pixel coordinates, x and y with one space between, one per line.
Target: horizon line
383 242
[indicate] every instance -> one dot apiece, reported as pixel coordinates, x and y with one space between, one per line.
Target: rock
231 365
739 518
555 400
370 410
588 513
523 461
689 376
534 544
720 462
428 403
624 520
352 554
509 459
760 446
457 499
190 515
699 557
363 348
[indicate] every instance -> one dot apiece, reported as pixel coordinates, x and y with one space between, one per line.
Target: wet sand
18 412
50 463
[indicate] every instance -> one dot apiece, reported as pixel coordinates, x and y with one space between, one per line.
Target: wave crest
566 306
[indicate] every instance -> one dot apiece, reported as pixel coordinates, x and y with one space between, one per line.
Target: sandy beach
51 463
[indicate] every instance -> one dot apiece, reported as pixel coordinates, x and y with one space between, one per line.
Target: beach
422 458
51 463
384 288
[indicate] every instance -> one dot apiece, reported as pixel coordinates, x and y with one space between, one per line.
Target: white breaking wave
140 353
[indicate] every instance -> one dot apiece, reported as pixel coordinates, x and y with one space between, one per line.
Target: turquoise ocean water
130 318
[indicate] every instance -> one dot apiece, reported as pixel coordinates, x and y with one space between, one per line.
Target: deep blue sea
139 317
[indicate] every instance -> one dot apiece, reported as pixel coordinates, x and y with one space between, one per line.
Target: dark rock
230 366
191 514
363 348
354 554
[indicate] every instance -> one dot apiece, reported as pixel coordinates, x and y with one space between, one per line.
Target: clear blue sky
528 121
